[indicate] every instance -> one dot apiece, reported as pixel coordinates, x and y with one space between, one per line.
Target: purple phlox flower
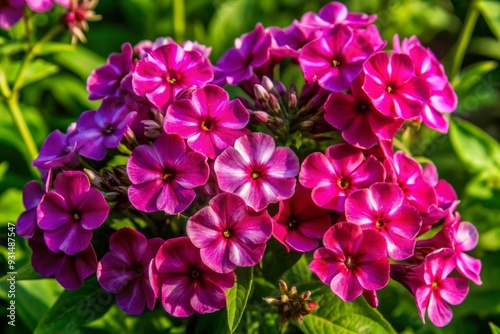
257 170
229 234
57 152
183 283
335 59
335 13
70 213
40 5
11 11
288 41
167 70
354 114
124 270
251 52
372 33
69 270
105 80
299 222
163 175
209 121
393 86
195 46
383 207
339 173
104 128
32 195
460 237
144 47
352 261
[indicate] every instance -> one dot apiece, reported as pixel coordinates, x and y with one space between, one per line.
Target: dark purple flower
11 11
32 195
124 270
70 213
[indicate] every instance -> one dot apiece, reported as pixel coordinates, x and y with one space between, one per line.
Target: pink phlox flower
124 270
11 11
299 222
183 283
163 175
288 41
229 234
383 207
257 170
70 213
335 59
167 70
352 261
393 86
335 13
339 173
238 64
354 114
32 195
209 121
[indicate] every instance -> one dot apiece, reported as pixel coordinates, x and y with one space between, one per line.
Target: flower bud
261 116
261 94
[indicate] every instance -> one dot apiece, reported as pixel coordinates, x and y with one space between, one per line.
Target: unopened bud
186 93
292 100
261 116
279 122
274 104
267 84
111 196
94 178
280 88
261 94
306 125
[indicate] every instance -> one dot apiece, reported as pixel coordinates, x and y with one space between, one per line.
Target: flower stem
179 20
464 38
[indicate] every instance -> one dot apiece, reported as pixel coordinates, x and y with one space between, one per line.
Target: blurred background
55 95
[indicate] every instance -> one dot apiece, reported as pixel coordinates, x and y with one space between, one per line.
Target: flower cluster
316 169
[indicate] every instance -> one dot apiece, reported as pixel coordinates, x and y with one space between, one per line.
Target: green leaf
475 148
25 272
472 76
75 308
491 13
494 329
81 61
337 316
277 260
11 206
237 296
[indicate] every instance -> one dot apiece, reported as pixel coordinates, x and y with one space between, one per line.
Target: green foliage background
469 158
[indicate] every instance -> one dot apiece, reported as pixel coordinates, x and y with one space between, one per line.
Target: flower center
108 130
343 184
167 177
434 285
292 222
206 125
389 89
379 223
171 80
77 217
362 108
255 175
348 262
226 234
195 274
335 63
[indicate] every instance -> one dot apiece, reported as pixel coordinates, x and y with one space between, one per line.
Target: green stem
179 20
464 38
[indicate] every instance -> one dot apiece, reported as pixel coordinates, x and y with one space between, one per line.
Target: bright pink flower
166 71
163 175
11 11
183 283
354 114
335 13
70 213
257 170
352 261
209 121
32 195
337 174
229 234
335 59
238 64
124 270
393 86
382 207
40 5
299 222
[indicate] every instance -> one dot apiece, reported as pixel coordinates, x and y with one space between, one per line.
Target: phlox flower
163 175
32 195
352 261
299 222
124 270
209 121
183 283
70 213
335 13
337 174
257 170
11 11
167 70
383 207
229 234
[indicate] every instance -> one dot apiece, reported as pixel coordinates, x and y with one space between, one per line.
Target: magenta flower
229 234
104 128
393 86
352 261
382 207
238 64
11 11
40 5
299 222
32 195
209 121
354 114
105 80
124 270
69 270
183 283
257 171
335 59
335 176
163 175
166 71
335 13
70 213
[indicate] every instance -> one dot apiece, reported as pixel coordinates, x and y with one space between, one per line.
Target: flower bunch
208 179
